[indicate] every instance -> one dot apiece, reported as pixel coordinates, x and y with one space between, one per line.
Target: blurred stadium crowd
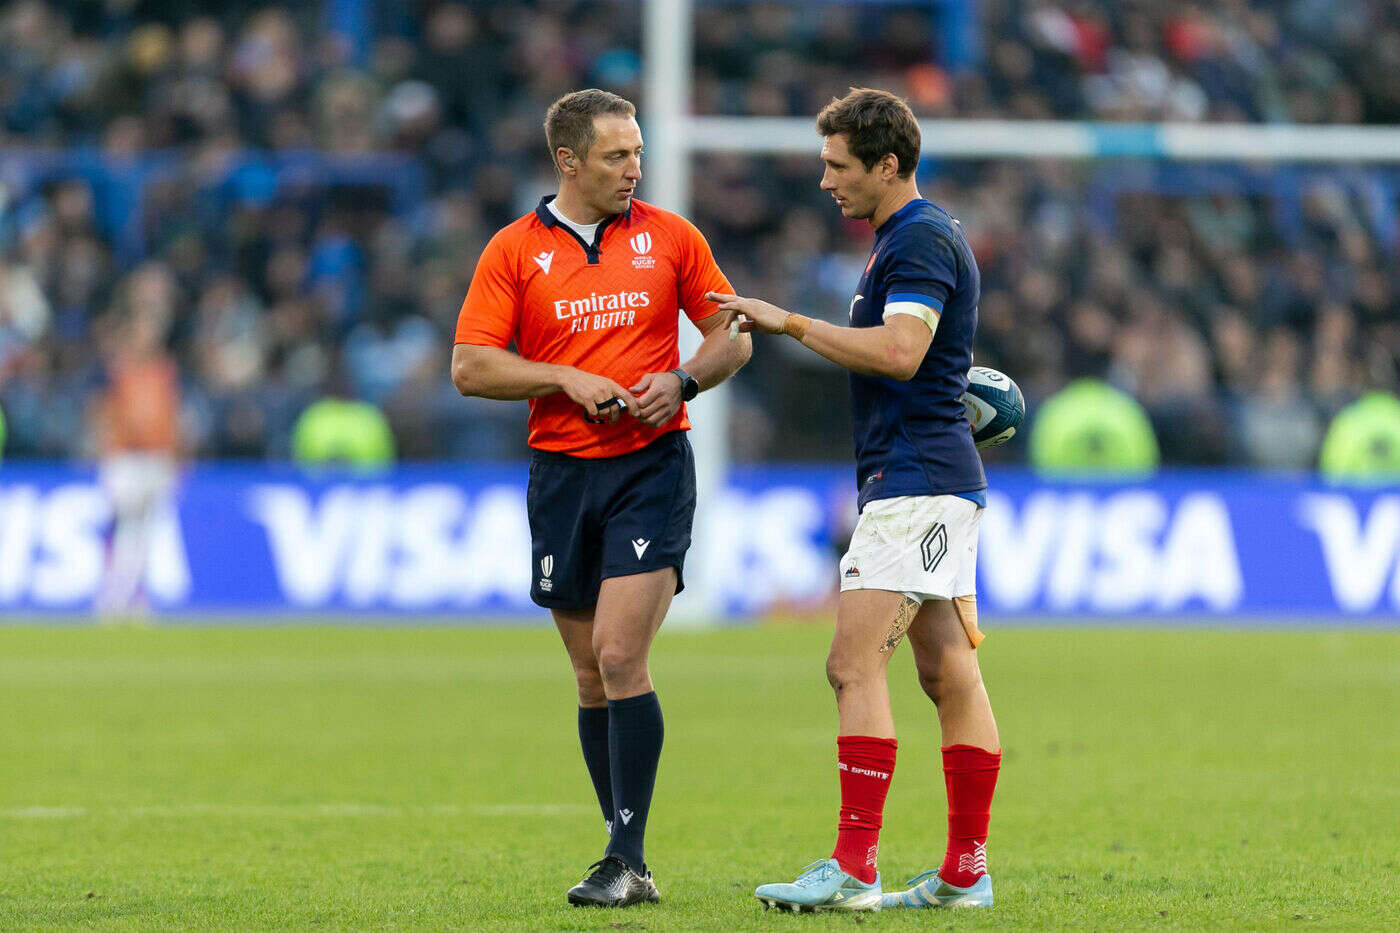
300 192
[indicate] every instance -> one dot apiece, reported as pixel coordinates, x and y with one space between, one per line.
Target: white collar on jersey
585 231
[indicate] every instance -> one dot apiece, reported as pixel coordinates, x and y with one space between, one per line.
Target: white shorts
137 482
922 546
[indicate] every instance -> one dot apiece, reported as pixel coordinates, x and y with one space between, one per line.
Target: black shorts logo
934 546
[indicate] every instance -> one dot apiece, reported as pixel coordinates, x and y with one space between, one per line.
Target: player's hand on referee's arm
751 313
591 390
658 398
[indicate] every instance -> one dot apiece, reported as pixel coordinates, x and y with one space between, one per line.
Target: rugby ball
994 406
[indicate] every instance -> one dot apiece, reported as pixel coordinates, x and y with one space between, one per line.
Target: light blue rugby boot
822 885
929 890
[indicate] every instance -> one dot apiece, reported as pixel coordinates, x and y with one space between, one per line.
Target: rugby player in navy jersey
912 560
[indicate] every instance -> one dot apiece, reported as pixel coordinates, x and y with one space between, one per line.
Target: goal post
1065 139
667 51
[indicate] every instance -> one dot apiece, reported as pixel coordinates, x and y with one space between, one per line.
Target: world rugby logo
641 245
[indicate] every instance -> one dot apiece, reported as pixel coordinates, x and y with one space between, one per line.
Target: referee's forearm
718 358
488 372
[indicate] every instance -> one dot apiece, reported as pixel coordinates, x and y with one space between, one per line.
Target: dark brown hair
569 122
874 123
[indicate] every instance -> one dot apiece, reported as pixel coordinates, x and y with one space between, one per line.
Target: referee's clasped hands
654 400
658 398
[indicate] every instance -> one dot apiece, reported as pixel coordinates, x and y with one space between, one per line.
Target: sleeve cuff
926 313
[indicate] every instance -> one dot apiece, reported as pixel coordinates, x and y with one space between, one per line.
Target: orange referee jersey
610 307
141 408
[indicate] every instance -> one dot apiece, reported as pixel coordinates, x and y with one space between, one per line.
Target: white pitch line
312 810
528 809
44 813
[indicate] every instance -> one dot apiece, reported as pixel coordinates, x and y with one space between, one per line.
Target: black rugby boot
612 883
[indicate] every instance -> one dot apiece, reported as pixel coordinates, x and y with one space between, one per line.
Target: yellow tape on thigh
966 608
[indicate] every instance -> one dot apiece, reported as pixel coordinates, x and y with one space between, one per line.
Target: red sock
866 765
970 774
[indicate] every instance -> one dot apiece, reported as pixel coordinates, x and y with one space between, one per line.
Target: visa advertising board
452 540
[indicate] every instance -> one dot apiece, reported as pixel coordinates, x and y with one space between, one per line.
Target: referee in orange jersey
588 287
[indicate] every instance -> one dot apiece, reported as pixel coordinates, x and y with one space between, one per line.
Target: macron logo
625 816
544 260
640 546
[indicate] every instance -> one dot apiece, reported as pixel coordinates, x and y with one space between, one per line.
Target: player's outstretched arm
894 350
490 372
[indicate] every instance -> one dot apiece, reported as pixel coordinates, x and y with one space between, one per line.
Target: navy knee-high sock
634 745
593 736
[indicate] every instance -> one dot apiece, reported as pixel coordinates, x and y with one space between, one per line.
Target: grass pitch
250 778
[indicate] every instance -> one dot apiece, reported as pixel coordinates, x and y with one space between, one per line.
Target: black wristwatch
689 387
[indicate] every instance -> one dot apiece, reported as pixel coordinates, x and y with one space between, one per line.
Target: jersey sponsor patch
598 312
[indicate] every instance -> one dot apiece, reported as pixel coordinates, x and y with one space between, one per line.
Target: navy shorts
591 519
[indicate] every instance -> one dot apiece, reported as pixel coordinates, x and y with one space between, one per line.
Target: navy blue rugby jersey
912 438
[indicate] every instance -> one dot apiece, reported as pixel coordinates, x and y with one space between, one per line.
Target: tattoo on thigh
903 618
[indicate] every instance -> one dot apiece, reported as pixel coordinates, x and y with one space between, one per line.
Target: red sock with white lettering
970 774
865 765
